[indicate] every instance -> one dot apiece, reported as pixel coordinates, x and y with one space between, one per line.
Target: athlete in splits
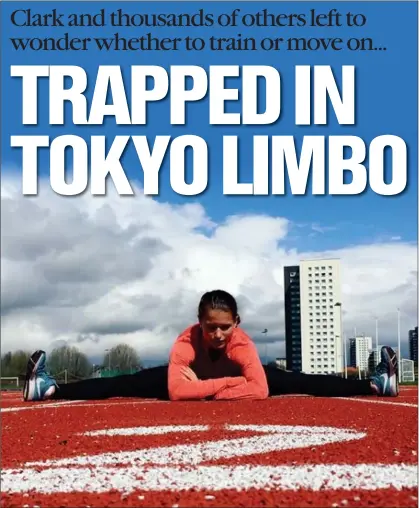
211 360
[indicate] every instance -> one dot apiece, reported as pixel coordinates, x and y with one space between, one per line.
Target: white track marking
166 429
38 406
182 468
196 453
299 429
377 402
147 431
314 477
78 403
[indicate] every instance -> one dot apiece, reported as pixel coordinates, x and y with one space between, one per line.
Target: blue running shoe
39 385
385 378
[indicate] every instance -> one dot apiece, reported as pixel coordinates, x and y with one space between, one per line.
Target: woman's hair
218 299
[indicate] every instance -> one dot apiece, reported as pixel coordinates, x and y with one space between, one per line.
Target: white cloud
99 271
322 229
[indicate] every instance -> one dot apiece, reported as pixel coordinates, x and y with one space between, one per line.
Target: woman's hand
189 374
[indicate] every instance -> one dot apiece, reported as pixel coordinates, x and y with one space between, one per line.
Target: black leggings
152 383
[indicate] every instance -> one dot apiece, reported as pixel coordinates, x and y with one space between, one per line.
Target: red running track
285 451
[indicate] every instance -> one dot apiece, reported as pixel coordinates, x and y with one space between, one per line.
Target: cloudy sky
97 271
94 272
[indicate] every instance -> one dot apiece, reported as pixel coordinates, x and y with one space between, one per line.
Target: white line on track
146 431
369 401
313 477
83 403
76 403
278 438
37 406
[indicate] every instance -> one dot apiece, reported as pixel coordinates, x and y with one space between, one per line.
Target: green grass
10 386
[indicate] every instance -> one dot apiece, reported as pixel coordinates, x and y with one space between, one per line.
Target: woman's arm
256 385
180 388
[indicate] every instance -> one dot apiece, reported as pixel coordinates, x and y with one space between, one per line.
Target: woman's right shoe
385 378
39 385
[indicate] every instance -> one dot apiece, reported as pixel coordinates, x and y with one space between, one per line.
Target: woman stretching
211 360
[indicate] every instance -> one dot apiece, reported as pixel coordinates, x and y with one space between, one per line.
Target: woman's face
217 327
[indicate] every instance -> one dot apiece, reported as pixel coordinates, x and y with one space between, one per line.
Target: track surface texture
284 451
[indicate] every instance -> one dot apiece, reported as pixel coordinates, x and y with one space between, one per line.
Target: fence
9 383
407 370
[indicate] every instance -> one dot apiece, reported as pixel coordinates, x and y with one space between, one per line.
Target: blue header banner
245 99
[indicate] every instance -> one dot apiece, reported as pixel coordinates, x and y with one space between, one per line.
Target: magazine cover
209 232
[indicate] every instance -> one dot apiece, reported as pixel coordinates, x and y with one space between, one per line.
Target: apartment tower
313 337
360 348
413 345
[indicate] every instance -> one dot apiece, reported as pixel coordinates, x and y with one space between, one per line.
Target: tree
6 361
14 363
122 357
70 358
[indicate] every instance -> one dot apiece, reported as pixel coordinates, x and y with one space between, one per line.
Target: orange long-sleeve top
237 374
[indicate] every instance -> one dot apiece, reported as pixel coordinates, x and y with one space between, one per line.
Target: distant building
373 360
413 345
359 352
292 318
313 338
281 363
